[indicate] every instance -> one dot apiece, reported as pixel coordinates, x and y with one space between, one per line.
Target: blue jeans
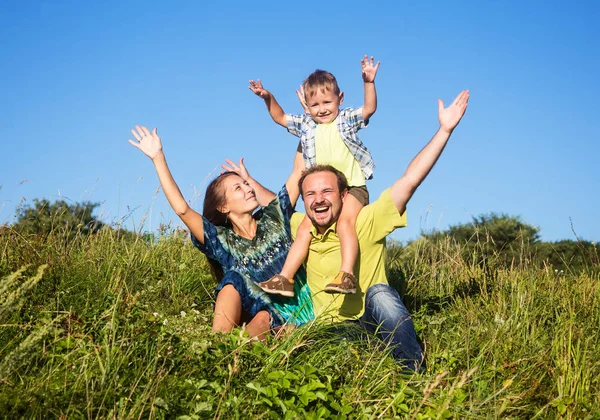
386 316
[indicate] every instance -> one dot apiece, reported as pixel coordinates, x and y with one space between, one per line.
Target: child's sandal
278 285
343 283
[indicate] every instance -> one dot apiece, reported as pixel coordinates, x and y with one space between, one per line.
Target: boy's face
324 105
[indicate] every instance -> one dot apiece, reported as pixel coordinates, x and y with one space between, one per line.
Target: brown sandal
343 283
278 285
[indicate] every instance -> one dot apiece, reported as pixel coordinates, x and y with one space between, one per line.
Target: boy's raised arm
273 106
369 71
151 146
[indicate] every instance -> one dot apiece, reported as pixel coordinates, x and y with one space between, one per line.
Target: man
376 306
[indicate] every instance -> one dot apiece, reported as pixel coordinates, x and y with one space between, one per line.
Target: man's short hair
320 79
341 178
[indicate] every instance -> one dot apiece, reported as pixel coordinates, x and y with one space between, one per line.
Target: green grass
109 326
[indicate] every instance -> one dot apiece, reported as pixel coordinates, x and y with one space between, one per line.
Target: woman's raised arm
151 146
263 195
292 182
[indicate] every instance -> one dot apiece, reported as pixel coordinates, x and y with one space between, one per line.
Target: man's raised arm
421 165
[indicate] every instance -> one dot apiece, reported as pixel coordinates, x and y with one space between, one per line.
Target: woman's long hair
214 198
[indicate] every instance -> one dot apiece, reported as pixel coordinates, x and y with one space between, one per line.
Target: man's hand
369 69
148 143
239 169
302 99
450 117
258 89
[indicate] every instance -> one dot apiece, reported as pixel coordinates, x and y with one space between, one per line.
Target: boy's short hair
320 79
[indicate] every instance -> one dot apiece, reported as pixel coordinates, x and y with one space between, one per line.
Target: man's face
322 199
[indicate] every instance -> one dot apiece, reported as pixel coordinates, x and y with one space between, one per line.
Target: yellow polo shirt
374 223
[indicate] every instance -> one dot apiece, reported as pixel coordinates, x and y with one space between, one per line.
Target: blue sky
76 77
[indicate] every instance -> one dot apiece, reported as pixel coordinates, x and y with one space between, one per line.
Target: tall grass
117 326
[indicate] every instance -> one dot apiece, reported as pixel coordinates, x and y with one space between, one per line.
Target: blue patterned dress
247 262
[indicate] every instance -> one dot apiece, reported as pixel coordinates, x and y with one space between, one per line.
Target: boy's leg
283 283
228 309
386 316
298 250
345 282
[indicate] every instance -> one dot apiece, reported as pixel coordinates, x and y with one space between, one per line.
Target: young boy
328 136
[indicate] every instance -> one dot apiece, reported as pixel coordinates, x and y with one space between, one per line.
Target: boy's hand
450 117
148 143
239 169
258 89
302 99
369 69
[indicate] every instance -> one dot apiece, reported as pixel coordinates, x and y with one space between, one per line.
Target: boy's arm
151 146
369 71
421 165
273 106
263 195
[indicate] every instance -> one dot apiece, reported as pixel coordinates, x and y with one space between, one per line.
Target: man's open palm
450 117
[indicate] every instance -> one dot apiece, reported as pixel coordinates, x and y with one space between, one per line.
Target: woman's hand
148 143
302 99
239 169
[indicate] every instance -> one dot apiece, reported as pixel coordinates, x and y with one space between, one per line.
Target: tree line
499 240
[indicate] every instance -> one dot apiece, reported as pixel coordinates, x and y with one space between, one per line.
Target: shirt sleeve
294 124
284 203
354 118
379 219
213 247
295 221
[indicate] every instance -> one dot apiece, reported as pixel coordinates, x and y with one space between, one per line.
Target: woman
248 248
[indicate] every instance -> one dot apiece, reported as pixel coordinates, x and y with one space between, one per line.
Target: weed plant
110 325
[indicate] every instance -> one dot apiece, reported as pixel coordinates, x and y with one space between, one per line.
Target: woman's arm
151 146
292 182
263 195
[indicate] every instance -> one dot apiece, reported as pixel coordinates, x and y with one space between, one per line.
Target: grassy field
109 326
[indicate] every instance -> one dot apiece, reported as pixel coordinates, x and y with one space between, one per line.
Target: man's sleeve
295 221
379 219
354 118
294 124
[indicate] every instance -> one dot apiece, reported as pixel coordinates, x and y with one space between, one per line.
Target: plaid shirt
349 121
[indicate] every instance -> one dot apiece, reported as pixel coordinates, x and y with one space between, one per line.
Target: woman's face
239 196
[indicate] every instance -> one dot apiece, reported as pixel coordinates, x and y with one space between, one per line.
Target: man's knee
378 289
386 314
384 302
